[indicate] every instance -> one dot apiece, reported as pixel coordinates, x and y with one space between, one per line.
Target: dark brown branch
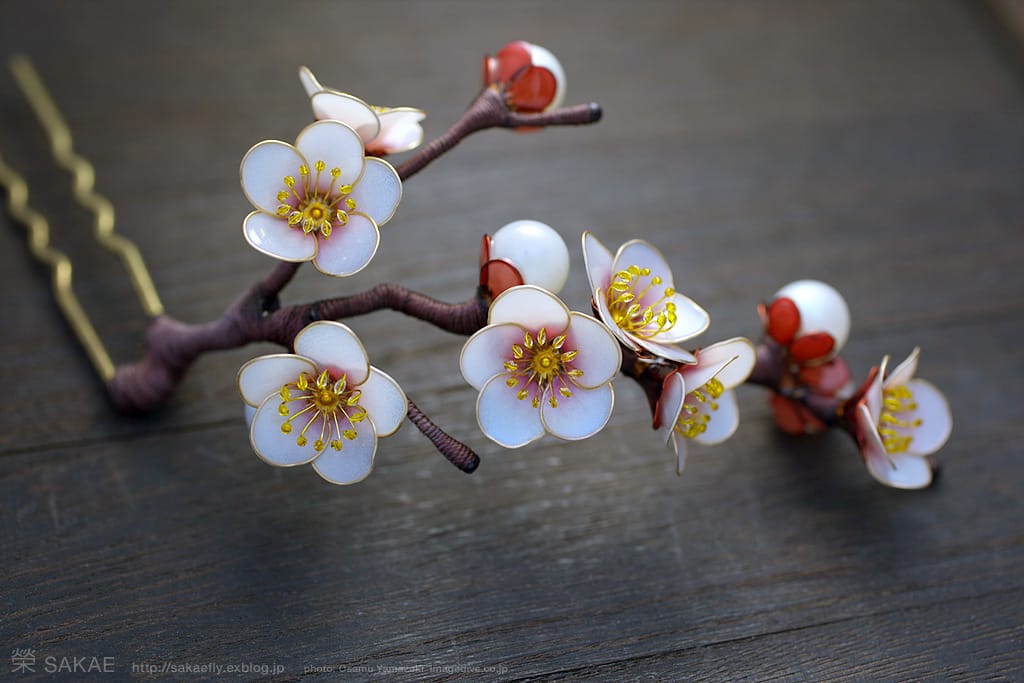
458 453
489 110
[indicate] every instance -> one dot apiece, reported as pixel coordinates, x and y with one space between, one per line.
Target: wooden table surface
875 145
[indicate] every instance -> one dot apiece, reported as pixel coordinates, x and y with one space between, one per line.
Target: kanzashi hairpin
539 367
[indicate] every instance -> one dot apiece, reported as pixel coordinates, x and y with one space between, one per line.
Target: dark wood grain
879 146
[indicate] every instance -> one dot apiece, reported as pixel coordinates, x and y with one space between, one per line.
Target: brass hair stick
83 181
39 244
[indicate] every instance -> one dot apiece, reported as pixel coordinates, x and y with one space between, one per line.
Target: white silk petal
385 401
723 421
400 130
667 351
670 404
274 237
309 82
263 171
679 444
599 355
349 249
378 191
691 320
264 376
353 462
900 470
336 106
505 419
598 262
905 371
580 416
484 354
531 307
936 419
873 394
644 255
273 446
742 354
338 146
696 376
336 348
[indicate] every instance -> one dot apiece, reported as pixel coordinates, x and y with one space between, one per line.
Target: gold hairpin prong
83 181
60 266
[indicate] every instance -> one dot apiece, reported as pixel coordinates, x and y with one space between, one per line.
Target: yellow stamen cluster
540 362
624 295
308 207
692 421
326 400
892 427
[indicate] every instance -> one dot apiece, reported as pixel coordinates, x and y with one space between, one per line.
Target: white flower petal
598 262
349 249
644 255
666 351
309 82
337 145
905 371
601 300
263 171
274 237
670 404
580 416
336 106
873 394
353 462
505 419
484 354
385 401
335 348
378 191
737 371
273 446
599 354
901 471
936 418
400 130
680 445
264 376
531 307
691 320
723 421
696 376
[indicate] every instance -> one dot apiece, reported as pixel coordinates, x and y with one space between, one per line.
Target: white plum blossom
697 401
384 130
898 422
540 368
635 296
323 404
319 200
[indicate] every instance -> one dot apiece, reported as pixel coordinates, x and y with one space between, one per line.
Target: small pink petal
338 146
264 376
263 170
873 394
505 419
670 404
348 109
273 236
385 401
335 348
598 262
936 418
579 416
737 371
599 355
531 307
696 376
905 371
272 445
484 354
378 191
353 462
350 248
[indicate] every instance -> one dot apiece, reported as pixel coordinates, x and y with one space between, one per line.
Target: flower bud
524 252
810 318
531 77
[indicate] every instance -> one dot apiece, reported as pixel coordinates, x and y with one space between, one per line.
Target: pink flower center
307 207
325 401
541 364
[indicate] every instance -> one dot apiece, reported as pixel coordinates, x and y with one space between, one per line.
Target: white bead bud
536 250
822 309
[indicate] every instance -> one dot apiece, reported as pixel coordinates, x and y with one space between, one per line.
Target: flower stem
489 110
